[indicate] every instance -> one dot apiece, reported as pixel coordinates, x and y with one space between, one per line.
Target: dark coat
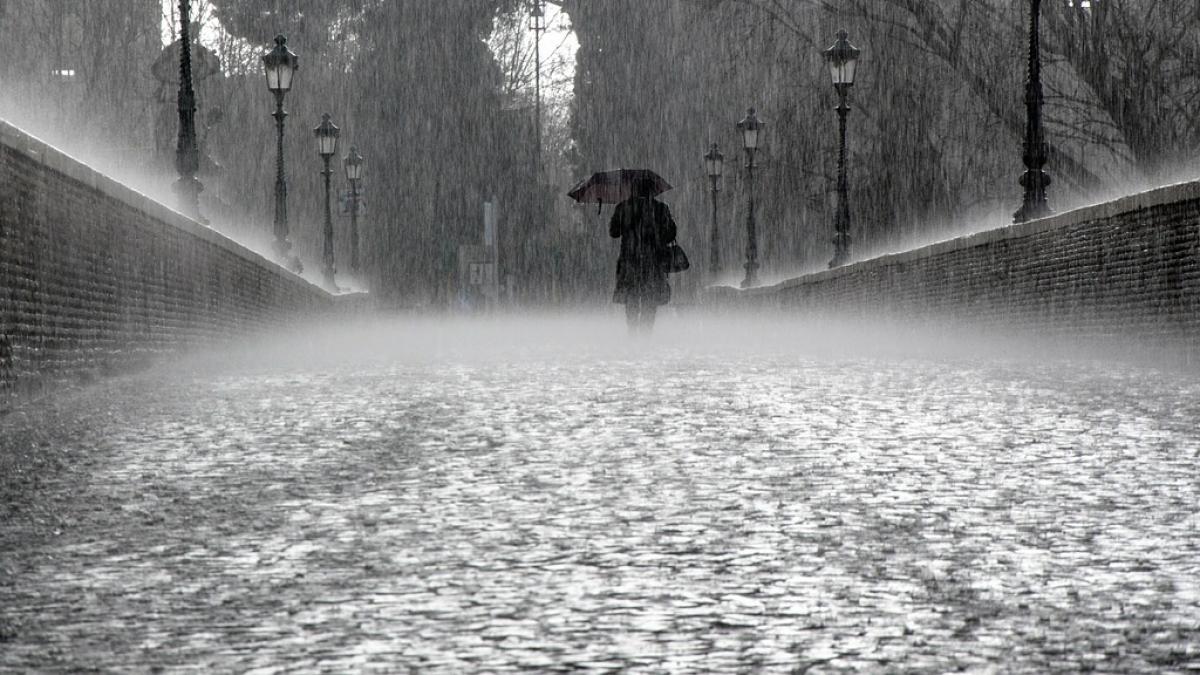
645 227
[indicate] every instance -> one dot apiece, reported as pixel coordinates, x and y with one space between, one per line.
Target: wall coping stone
1177 192
59 161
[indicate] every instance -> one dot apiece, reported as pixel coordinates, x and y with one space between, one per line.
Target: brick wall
1123 269
96 278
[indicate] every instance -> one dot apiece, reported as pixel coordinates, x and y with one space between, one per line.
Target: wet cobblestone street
526 497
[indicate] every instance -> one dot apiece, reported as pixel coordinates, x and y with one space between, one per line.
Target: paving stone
445 511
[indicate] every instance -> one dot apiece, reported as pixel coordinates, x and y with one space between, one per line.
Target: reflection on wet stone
681 511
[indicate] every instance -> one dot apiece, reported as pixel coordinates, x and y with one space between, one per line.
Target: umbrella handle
599 205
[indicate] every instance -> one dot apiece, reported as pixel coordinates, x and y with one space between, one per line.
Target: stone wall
1129 268
96 278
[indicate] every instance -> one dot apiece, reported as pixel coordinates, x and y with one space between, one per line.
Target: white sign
475 274
489 224
344 199
480 274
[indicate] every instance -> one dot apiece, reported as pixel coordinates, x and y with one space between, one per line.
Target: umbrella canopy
614 187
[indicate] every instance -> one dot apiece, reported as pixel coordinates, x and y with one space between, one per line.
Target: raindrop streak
489 473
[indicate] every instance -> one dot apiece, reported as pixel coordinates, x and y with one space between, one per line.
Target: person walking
645 227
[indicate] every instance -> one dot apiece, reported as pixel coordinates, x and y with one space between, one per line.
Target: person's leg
649 309
632 312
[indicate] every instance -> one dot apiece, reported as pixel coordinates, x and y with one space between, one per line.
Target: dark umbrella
614 187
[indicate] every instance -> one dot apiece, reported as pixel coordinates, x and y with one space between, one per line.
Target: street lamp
1034 180
280 64
714 161
187 154
750 126
327 135
354 168
843 62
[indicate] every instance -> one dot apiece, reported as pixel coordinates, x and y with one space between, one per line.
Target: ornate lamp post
1034 180
280 64
750 126
354 168
327 135
843 62
187 154
714 162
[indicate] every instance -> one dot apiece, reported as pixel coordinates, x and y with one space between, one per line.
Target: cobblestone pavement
549 495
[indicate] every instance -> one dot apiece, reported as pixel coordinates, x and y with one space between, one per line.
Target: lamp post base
841 246
1033 203
1029 212
188 188
751 279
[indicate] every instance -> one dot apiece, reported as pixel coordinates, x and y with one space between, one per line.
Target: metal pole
538 27
327 258
841 221
354 225
60 21
491 230
282 245
1034 180
187 156
714 244
751 279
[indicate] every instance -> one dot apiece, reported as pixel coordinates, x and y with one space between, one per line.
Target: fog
536 492
550 338
526 447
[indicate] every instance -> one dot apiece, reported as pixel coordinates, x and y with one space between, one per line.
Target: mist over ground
541 491
600 335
